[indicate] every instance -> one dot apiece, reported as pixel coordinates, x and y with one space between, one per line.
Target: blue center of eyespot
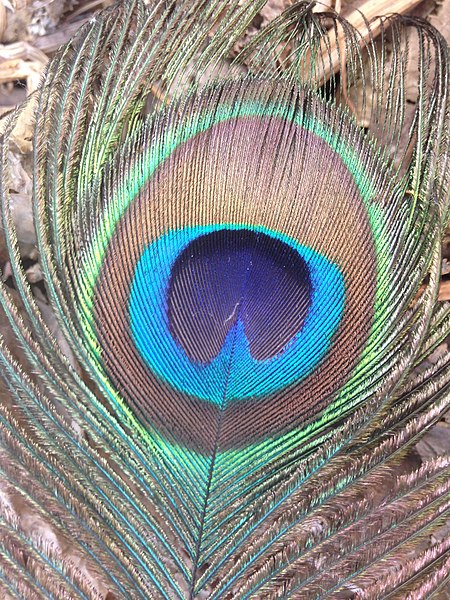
229 276
234 313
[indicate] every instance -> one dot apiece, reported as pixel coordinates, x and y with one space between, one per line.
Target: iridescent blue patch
182 348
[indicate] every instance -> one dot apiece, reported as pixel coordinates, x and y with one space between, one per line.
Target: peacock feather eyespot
230 298
245 282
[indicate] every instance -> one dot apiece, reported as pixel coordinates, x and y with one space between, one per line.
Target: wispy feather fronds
247 280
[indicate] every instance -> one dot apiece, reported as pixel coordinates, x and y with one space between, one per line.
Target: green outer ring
153 157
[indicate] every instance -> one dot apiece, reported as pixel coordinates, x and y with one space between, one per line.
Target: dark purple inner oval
237 274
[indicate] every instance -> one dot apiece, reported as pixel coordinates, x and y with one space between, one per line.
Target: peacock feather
246 280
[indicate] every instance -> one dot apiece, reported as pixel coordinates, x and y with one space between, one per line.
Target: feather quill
239 389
